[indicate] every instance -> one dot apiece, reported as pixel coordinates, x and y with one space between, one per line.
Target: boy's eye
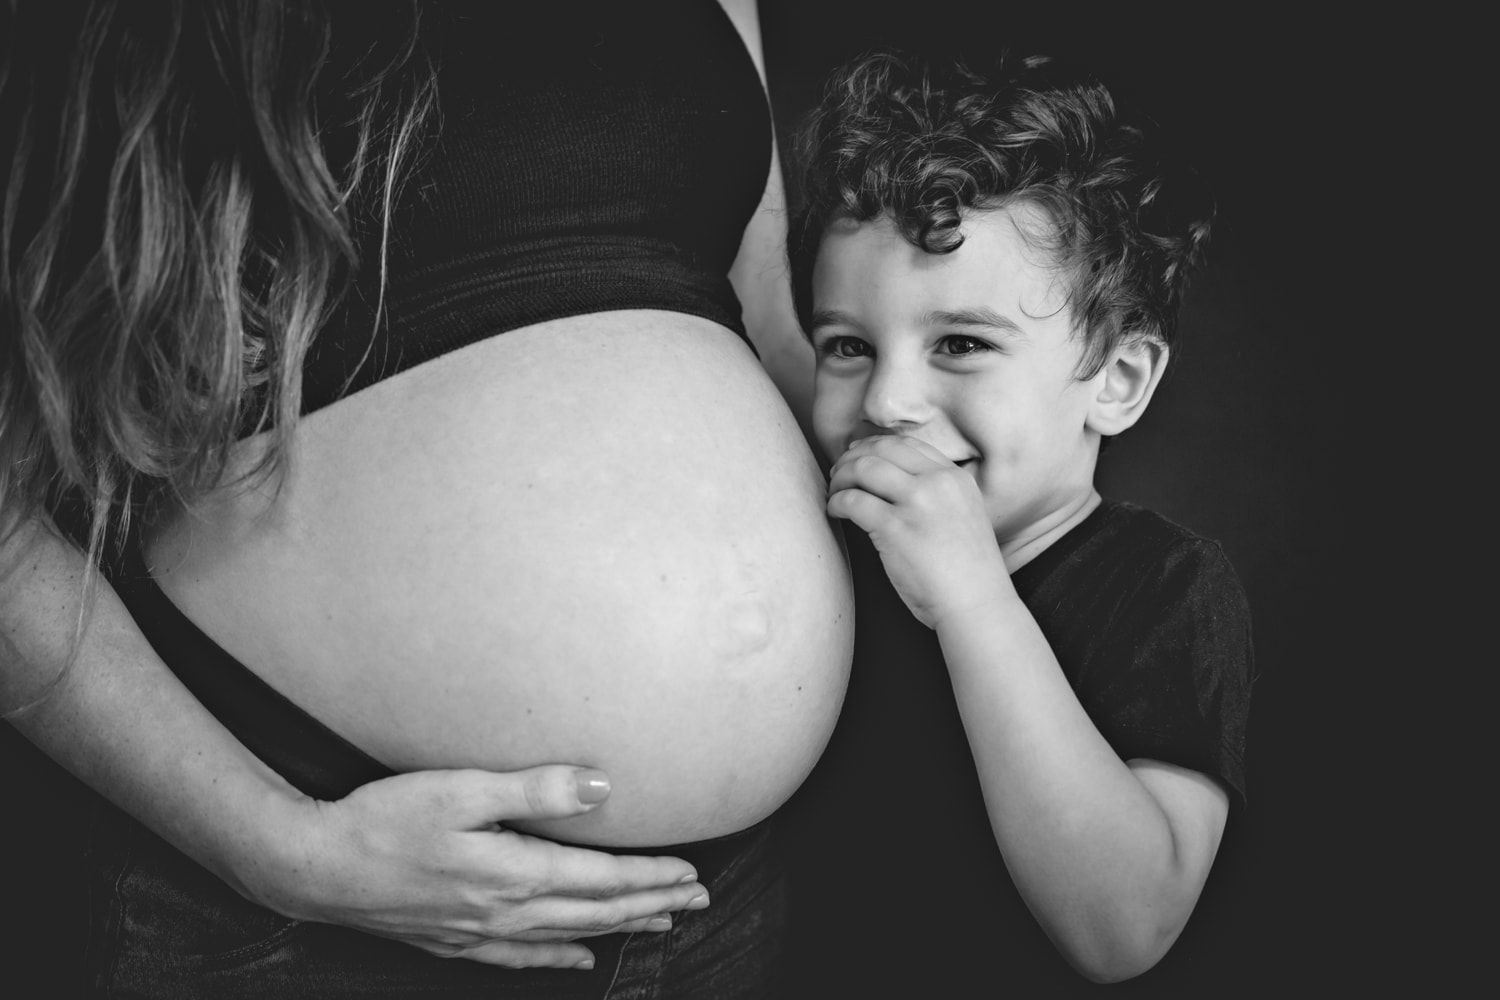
958 345
846 347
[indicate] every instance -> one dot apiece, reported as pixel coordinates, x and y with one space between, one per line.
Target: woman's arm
416 857
760 275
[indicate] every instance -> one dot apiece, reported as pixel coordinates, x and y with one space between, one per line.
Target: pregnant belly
597 541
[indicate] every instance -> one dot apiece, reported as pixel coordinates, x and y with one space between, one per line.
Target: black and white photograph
678 500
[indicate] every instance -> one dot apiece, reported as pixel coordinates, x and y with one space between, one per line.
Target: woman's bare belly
597 541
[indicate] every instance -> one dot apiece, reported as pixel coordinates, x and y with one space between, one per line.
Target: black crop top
590 156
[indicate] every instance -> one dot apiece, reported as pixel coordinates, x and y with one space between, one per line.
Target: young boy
989 271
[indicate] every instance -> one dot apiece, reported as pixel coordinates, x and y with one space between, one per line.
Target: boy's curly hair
895 136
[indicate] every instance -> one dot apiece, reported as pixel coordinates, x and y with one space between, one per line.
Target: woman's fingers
435 807
518 954
473 799
654 924
602 916
559 870
555 791
438 868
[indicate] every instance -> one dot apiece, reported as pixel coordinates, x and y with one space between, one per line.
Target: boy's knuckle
953 480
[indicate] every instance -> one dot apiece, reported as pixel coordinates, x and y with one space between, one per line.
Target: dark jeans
165 927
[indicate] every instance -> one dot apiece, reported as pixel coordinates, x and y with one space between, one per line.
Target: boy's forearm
120 721
1090 848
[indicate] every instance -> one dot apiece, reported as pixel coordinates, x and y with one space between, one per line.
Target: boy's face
971 352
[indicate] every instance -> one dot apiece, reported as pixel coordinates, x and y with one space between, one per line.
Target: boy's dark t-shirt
889 844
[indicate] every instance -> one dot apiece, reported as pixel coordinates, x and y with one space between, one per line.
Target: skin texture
964 443
589 552
419 857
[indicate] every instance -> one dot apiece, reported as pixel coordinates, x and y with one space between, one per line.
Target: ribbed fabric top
591 156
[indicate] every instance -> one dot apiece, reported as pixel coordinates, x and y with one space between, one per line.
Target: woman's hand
420 858
423 858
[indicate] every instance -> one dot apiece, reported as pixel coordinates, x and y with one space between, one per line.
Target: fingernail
593 788
659 924
585 963
698 902
689 877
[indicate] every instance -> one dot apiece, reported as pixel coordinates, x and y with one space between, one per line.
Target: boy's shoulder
1152 629
1123 548
1126 530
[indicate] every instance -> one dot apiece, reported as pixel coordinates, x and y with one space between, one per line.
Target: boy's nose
895 399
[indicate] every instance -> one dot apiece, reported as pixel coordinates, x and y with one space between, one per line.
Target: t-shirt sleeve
1175 682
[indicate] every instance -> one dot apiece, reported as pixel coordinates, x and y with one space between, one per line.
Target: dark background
1247 441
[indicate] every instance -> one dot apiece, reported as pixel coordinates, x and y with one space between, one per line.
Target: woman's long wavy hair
182 182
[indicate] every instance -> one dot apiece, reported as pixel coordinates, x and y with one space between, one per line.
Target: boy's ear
1126 384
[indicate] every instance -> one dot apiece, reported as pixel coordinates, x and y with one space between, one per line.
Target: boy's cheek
829 427
831 450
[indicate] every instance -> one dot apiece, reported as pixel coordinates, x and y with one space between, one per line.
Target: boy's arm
414 857
1110 856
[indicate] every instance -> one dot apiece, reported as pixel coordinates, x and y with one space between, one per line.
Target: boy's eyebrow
978 316
829 317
